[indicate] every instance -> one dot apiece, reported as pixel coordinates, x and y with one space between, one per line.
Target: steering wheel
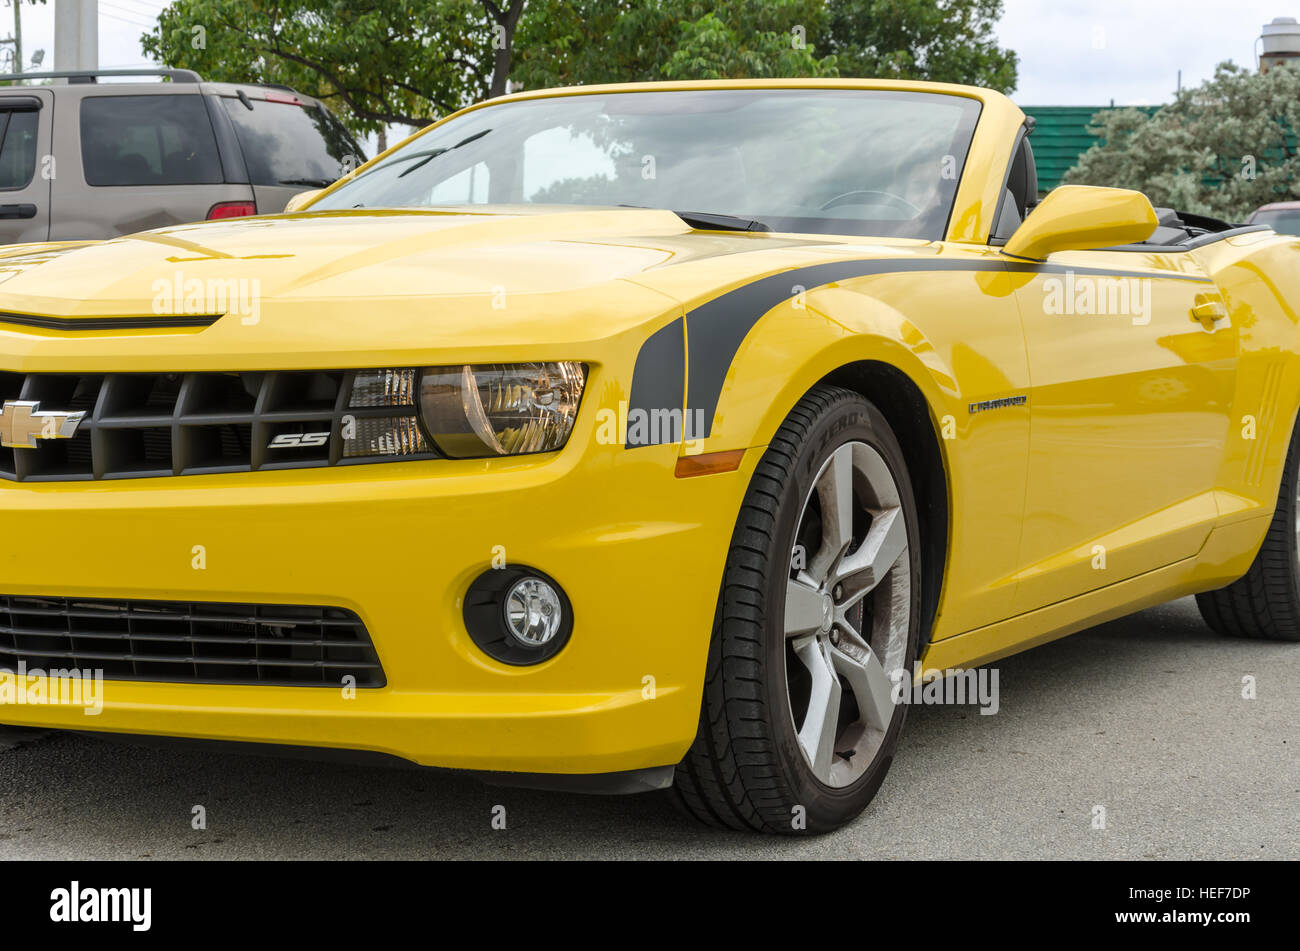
851 198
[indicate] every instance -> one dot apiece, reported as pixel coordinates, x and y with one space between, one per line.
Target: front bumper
639 553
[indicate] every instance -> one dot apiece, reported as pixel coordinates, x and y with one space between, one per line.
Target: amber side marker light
709 463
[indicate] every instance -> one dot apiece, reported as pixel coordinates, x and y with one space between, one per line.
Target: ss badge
293 440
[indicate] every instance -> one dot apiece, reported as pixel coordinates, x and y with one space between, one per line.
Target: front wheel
820 605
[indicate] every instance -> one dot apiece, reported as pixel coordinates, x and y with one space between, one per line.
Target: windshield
829 161
1283 222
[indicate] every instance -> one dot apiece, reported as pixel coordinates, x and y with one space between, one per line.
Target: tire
761 759
1265 602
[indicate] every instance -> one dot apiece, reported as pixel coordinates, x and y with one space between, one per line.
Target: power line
143 10
128 11
134 23
122 13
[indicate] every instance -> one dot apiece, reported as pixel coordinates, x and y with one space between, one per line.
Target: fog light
518 615
533 611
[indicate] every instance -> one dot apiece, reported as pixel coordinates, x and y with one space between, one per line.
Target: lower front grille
188 642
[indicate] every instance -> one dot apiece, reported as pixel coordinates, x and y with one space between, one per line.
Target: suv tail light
232 209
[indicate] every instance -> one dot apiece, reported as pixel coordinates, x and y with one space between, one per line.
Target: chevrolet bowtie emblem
21 424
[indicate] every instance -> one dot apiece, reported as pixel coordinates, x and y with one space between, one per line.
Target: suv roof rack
79 76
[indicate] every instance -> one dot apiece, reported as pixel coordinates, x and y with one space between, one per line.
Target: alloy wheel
847 606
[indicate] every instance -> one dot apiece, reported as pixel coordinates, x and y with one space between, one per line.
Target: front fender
955 333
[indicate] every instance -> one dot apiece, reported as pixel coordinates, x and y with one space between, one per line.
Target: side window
148 140
18 147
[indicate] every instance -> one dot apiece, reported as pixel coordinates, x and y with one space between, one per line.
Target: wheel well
908 414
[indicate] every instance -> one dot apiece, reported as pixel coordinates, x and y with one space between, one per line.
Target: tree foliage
1221 149
949 41
605 41
379 62
376 62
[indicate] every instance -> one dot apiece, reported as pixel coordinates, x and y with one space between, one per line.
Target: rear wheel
1265 602
820 604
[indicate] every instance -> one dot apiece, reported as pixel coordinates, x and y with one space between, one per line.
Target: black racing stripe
716 329
657 384
108 323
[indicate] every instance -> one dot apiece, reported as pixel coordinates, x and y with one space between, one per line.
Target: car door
26 116
1131 366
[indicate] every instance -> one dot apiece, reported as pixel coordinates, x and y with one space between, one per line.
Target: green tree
568 42
377 62
408 61
949 41
592 41
1221 149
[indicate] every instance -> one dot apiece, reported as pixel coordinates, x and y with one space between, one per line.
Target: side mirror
1083 218
302 198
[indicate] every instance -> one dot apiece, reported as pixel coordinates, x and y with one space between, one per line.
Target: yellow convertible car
637 437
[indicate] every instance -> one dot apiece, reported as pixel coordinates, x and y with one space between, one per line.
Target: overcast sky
1072 52
1087 52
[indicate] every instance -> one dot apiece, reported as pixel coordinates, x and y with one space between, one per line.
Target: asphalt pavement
1143 716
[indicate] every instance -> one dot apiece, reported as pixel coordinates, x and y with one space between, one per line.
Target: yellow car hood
360 254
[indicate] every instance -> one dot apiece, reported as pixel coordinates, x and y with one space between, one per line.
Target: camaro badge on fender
986 405
21 424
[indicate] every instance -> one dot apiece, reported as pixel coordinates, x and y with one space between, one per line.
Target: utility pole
18 36
76 34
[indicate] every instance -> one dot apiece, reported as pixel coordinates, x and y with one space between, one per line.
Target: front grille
188 642
141 425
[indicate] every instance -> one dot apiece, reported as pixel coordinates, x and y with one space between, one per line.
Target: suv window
18 147
291 143
148 140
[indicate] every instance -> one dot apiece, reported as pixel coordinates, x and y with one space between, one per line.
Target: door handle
1208 311
17 211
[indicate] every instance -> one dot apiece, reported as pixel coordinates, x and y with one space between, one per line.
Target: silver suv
84 159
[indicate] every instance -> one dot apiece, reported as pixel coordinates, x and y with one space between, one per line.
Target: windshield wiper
708 221
711 222
431 154
426 156
314 182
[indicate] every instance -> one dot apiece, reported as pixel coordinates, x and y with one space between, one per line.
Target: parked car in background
88 159
1282 216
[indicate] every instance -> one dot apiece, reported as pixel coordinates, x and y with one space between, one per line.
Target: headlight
501 409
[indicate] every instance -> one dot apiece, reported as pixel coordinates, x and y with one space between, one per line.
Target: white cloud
1088 52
